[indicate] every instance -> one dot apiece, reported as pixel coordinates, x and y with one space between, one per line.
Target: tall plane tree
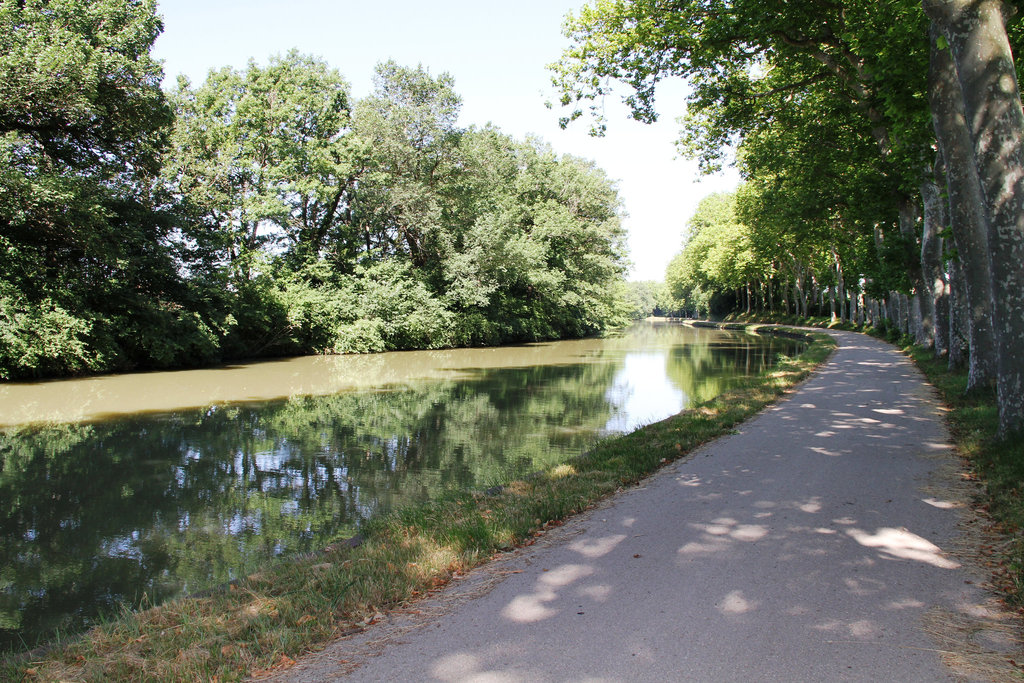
876 55
975 33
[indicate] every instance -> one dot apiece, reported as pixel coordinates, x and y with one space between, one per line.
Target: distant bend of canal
132 489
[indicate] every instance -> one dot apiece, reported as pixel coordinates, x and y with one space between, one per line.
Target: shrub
40 339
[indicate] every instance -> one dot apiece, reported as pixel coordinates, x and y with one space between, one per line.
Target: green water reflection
141 508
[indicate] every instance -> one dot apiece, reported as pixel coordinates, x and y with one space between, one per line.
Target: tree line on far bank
266 211
882 148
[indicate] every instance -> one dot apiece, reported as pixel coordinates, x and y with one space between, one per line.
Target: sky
497 52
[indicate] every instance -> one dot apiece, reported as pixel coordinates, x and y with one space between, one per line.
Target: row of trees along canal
881 148
267 212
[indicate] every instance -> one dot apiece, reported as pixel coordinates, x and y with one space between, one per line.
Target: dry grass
977 645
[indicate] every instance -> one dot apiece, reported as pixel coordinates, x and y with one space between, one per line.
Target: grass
268 619
997 462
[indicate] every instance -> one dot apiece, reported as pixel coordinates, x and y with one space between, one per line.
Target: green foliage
823 104
409 127
78 85
41 338
90 278
717 256
260 158
360 336
409 316
647 298
263 212
318 303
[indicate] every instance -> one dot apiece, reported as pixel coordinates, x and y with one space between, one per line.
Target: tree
975 33
408 127
752 64
817 190
966 215
747 60
262 160
539 251
717 256
90 280
647 298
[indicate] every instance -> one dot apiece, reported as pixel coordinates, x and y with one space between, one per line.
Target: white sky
496 51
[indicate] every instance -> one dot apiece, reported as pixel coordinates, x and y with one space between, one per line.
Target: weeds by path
996 462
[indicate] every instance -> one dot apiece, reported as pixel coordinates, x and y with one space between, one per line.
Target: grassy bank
998 463
270 618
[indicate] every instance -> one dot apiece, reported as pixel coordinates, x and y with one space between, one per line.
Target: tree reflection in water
139 509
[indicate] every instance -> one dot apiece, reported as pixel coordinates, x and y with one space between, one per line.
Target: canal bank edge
262 622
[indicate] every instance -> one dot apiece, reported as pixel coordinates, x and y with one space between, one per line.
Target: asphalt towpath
817 543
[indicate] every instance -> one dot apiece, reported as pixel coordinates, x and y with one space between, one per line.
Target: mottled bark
976 32
933 298
959 317
966 215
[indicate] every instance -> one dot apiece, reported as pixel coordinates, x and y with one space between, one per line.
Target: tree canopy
83 225
829 107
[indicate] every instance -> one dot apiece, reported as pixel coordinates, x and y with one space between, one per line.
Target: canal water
131 489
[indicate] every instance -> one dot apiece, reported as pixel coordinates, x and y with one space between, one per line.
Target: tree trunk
840 286
976 32
959 317
800 285
966 217
908 228
933 275
903 306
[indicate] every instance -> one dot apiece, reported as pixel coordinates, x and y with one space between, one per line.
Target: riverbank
269 618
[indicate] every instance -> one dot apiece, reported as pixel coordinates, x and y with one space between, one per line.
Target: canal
131 489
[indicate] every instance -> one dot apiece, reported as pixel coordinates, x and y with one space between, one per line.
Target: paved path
808 546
